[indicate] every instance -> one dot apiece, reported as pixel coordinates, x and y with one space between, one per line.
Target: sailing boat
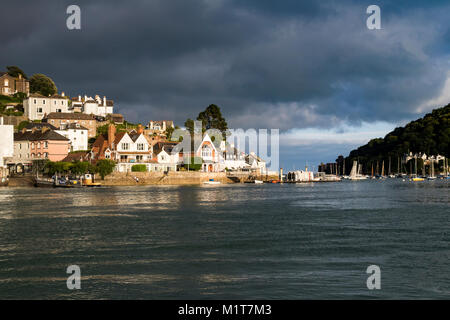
415 178
432 177
382 171
390 171
355 173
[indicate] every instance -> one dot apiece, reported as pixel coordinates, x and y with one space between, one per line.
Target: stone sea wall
160 178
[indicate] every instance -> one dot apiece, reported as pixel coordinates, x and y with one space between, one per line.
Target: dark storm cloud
278 64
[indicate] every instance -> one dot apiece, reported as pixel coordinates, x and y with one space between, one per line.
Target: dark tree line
430 135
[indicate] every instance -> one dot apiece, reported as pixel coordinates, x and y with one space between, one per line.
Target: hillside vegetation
429 135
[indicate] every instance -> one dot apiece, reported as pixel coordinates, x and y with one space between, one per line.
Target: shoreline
148 178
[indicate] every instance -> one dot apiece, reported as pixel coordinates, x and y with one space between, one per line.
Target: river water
304 241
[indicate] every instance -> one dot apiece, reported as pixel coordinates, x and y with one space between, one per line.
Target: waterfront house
37 106
210 154
59 119
76 133
233 159
125 148
166 156
38 144
256 163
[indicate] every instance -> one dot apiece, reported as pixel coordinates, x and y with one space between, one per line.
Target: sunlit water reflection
229 241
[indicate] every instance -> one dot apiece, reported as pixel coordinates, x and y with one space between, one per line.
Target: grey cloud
266 63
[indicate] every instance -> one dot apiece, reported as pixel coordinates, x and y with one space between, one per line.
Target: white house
210 154
166 156
256 163
130 149
77 134
6 142
36 106
233 159
96 106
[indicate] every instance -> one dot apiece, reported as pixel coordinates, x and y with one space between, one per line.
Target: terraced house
38 144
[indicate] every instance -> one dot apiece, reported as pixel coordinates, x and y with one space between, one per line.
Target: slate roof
40 125
38 135
70 116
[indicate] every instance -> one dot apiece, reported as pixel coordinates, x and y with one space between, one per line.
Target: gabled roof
164 145
38 135
77 156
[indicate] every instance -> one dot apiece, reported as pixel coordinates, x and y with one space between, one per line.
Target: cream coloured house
36 106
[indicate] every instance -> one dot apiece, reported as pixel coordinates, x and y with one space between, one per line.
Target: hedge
139 168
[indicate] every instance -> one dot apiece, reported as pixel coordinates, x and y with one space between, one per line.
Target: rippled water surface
227 242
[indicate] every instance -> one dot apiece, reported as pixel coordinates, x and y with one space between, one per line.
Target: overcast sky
310 68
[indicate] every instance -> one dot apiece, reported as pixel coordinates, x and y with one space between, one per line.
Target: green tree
57 167
82 167
42 84
22 125
212 118
105 167
189 125
14 71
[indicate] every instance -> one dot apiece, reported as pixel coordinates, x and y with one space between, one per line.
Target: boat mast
389 170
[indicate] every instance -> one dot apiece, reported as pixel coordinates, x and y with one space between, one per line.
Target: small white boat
211 181
259 181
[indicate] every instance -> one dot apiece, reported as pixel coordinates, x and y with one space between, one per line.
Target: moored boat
211 181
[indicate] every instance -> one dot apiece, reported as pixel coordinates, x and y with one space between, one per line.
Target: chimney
140 129
111 134
104 101
79 98
20 76
63 94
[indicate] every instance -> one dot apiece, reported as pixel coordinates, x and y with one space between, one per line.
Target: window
39 155
58 110
20 146
39 145
32 155
32 145
6 82
45 144
140 146
39 110
43 101
206 152
34 101
125 146
139 158
55 103
45 155
123 158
